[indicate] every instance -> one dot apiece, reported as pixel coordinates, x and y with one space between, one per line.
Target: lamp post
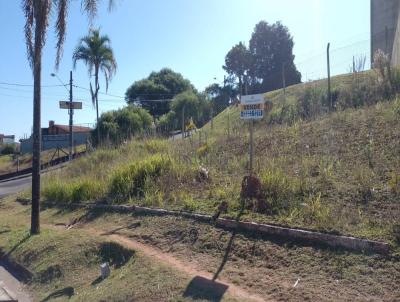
70 111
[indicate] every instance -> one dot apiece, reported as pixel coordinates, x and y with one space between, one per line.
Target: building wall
54 141
9 140
385 29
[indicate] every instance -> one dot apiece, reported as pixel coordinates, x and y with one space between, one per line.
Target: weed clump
203 150
394 183
130 181
155 146
280 190
81 190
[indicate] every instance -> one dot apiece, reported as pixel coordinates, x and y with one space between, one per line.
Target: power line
28 85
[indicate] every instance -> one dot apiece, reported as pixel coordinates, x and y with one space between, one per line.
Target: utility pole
284 81
329 76
71 114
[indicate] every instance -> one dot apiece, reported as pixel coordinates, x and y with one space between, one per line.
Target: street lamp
70 111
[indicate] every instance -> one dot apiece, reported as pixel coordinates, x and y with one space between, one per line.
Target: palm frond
90 7
61 24
27 6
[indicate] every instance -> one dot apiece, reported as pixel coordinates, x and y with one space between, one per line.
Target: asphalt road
10 187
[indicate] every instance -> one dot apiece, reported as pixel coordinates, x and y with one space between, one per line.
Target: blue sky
191 37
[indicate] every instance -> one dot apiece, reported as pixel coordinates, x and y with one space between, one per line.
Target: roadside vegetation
330 170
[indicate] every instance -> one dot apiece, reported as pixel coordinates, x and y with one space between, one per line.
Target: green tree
37 14
238 63
122 124
188 105
220 95
95 51
271 48
158 86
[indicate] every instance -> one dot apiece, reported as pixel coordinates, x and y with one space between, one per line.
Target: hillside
333 171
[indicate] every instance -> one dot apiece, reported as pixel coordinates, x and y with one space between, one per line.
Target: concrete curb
335 241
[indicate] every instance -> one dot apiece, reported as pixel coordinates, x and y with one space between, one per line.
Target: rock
105 270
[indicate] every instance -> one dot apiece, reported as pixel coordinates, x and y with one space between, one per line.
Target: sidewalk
11 289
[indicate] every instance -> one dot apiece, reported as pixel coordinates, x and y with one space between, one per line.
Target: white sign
67 105
252 107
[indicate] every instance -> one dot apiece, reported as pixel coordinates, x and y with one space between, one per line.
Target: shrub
8 149
130 181
362 90
312 102
119 125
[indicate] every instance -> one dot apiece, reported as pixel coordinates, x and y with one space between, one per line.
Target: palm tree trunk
37 135
96 87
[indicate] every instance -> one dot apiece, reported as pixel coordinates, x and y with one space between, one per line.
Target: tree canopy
161 85
187 105
221 95
260 66
119 125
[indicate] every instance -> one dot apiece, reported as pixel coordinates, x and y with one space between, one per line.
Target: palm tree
37 13
95 51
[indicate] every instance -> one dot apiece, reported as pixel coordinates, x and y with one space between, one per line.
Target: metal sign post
70 106
251 108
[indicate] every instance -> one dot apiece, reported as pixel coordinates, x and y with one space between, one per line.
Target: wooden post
329 76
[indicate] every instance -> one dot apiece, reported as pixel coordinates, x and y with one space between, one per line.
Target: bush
312 102
130 180
119 125
8 149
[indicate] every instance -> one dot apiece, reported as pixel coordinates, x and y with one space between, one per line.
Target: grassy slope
338 172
